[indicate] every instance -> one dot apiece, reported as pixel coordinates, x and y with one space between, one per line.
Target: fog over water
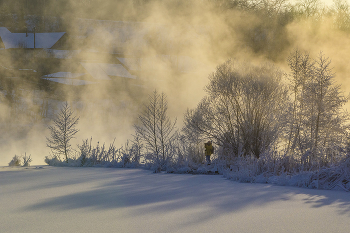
171 46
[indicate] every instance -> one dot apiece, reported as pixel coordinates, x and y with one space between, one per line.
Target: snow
95 71
64 75
64 199
60 54
4 31
102 71
116 70
69 81
131 63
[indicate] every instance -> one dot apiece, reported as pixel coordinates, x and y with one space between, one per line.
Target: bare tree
308 8
156 129
62 131
342 14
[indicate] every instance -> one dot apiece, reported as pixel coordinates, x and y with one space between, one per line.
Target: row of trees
283 9
153 138
249 111
267 33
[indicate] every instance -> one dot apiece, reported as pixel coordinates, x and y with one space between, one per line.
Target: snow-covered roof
4 31
102 71
69 81
64 75
23 40
95 71
60 54
131 63
116 70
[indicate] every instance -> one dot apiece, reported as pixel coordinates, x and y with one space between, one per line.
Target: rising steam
171 46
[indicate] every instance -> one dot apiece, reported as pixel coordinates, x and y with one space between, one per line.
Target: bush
16 161
88 156
26 160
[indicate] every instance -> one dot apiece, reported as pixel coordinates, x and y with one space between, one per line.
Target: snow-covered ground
65 199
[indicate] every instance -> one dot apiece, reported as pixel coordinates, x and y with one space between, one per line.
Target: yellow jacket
208 149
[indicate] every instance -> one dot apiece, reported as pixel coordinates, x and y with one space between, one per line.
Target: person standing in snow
209 150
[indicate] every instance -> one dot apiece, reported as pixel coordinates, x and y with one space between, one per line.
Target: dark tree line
267 36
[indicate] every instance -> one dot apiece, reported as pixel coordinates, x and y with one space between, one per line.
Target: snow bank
336 177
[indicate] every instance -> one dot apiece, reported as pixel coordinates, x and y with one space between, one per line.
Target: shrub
16 161
26 160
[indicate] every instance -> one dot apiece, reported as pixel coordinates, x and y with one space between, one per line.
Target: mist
171 46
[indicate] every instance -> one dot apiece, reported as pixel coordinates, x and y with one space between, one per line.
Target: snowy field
63 199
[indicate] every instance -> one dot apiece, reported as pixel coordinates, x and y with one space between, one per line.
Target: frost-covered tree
328 119
155 128
243 111
302 71
318 121
62 131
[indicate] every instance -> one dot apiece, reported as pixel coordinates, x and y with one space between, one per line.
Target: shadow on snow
125 188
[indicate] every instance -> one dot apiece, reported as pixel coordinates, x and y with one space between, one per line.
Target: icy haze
56 199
